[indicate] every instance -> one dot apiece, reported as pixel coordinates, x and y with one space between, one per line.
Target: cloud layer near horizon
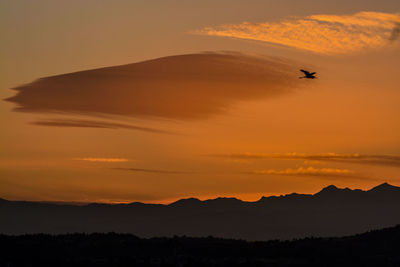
306 171
384 160
108 160
151 171
321 173
178 87
324 34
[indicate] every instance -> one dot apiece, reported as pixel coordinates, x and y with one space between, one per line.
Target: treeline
375 248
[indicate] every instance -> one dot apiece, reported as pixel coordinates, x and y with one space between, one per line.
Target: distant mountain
375 248
330 212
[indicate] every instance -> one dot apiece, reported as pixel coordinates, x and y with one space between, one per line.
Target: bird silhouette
308 75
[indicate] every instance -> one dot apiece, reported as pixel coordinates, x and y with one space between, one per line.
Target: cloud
112 160
151 171
189 86
324 34
306 171
395 32
385 160
292 155
94 124
323 173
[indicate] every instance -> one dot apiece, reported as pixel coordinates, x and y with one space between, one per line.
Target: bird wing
313 73
305 72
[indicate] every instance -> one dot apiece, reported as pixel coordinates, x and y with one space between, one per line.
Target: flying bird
308 75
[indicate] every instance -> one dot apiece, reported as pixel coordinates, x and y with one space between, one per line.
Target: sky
153 101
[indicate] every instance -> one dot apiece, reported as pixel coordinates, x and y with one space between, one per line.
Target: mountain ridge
330 212
330 189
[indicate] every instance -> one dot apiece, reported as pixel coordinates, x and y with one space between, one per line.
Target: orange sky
226 115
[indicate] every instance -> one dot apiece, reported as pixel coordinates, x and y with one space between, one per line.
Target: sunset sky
152 101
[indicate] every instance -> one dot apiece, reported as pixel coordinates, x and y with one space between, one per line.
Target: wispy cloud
386 160
319 173
151 171
395 32
112 160
94 124
306 171
325 34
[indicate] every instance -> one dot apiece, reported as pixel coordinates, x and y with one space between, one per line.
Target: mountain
375 248
330 212
385 189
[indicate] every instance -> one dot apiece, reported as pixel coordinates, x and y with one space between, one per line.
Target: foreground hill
330 212
376 248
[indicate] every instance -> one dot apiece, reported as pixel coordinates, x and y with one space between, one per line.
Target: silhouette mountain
187 202
385 188
330 212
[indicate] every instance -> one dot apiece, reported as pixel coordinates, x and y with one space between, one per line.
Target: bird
308 75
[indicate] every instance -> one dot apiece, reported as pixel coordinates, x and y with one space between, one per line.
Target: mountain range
330 212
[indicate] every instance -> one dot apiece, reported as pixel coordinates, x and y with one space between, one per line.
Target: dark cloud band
386 160
150 171
94 124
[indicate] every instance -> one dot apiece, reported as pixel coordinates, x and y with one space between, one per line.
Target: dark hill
376 248
330 212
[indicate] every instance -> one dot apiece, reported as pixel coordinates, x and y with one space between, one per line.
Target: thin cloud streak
395 32
321 173
306 171
151 171
95 124
112 160
385 160
324 34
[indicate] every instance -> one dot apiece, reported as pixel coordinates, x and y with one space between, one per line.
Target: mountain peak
186 201
329 189
385 187
333 190
224 199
